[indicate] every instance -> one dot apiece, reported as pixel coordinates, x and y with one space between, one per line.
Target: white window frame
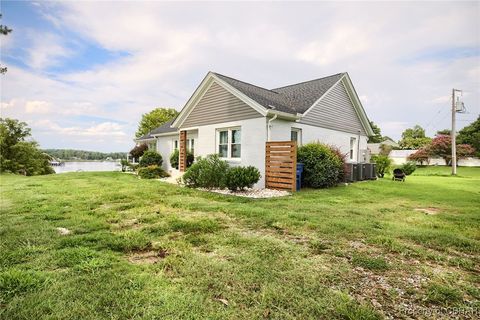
174 145
229 142
352 151
299 135
191 145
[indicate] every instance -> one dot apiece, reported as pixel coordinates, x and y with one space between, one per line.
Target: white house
235 119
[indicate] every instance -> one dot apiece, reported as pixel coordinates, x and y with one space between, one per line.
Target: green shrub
152 172
383 164
208 172
239 178
323 168
175 158
151 158
409 167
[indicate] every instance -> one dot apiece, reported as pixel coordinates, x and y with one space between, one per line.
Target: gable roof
296 98
291 101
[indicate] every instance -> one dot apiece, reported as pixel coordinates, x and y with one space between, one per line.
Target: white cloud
342 43
46 50
105 129
169 47
37 107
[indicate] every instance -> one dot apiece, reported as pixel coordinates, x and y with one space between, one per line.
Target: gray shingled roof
164 128
296 98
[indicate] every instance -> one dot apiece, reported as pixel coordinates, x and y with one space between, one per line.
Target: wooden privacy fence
281 165
182 165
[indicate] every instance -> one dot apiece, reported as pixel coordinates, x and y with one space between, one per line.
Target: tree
4 30
138 150
12 132
414 138
18 155
383 164
421 156
154 119
377 137
444 132
471 135
441 146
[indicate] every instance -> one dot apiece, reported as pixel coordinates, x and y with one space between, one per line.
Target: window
236 143
192 146
229 143
223 143
296 135
352 148
175 145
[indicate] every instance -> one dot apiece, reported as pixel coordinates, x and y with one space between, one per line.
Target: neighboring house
235 119
374 148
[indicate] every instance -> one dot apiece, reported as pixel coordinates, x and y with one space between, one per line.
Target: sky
82 73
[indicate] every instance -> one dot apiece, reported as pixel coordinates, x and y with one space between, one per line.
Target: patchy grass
150 250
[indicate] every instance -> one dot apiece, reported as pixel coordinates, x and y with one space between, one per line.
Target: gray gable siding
218 105
335 111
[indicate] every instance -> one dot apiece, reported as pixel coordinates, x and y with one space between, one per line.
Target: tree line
416 139
72 154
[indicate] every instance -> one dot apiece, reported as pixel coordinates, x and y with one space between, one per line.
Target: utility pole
453 134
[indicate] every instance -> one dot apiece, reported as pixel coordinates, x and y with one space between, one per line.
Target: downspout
269 127
358 147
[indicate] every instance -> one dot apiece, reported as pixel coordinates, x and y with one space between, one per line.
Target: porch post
182 161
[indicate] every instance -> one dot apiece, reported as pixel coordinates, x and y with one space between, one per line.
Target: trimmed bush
383 164
151 158
152 172
175 158
239 178
208 172
409 167
323 168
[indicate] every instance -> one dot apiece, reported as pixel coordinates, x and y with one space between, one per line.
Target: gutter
269 127
283 115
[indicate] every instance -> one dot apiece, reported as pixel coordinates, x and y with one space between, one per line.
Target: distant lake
80 166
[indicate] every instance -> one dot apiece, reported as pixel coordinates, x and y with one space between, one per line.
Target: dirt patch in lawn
147 257
428 211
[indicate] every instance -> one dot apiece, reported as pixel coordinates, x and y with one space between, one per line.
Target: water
88 166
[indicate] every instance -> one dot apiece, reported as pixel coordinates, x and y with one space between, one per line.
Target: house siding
253 138
280 131
335 111
216 106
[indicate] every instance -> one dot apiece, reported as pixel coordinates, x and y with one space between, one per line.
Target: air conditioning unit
374 171
366 171
360 176
351 174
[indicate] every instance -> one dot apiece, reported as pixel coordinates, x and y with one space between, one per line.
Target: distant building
375 148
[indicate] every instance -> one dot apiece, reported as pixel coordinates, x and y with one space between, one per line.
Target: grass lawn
141 249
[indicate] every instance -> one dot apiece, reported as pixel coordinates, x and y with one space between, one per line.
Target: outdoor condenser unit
374 171
366 171
360 172
351 174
